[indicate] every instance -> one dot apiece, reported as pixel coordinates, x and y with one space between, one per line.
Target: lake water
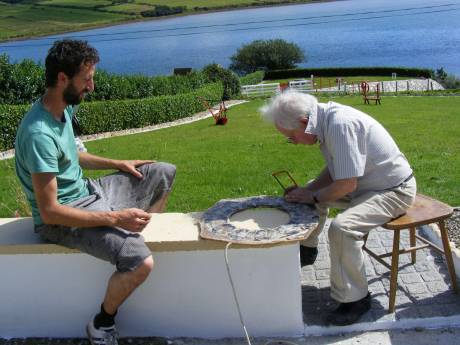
413 33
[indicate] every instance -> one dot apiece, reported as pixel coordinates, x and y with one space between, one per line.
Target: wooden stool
424 211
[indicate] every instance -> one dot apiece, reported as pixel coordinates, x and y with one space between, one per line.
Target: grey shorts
126 250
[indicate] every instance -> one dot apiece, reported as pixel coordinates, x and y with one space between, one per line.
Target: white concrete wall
188 294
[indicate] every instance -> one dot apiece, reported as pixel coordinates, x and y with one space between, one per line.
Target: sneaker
308 255
103 335
349 313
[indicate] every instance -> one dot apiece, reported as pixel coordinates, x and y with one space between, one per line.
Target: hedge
252 78
23 82
348 71
110 86
108 116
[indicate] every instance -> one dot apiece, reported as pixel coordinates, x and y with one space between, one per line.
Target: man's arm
89 161
334 191
323 180
51 212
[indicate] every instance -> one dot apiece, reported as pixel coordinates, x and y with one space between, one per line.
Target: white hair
287 108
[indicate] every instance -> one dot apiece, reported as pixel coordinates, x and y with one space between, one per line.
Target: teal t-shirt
45 145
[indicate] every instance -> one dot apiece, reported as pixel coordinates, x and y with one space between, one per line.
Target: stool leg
412 244
394 271
448 254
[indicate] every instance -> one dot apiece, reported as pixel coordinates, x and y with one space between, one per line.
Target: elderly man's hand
300 195
130 166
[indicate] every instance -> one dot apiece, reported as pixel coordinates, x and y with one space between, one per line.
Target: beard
72 96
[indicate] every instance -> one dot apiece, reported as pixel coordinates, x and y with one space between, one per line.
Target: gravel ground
453 226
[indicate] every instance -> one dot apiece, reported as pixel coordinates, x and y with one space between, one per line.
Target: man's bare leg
121 285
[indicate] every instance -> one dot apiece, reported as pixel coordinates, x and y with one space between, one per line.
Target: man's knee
143 270
339 229
166 170
147 265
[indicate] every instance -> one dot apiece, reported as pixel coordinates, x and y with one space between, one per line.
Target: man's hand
300 195
130 166
289 189
132 219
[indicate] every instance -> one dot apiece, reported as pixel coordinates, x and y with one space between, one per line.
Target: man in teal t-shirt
102 217
45 144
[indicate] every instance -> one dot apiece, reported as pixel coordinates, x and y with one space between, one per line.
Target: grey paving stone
437 286
423 299
416 288
323 283
373 244
423 288
433 310
407 313
450 310
430 276
422 267
377 287
387 243
322 274
321 264
410 278
409 268
308 276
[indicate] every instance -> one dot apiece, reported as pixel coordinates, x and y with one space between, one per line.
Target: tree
230 81
266 55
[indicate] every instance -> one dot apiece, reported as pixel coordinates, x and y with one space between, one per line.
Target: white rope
234 294
277 342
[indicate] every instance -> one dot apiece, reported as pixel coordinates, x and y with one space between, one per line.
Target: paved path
424 289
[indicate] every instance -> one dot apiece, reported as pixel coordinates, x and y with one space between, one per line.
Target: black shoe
348 313
308 255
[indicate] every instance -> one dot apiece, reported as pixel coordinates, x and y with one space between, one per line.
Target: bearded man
102 217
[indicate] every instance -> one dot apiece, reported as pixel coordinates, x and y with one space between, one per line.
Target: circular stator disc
258 220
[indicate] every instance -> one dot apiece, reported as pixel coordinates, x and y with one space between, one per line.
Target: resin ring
215 222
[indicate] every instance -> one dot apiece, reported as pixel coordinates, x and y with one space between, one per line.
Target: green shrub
107 116
449 81
21 82
10 117
347 71
230 81
266 55
252 78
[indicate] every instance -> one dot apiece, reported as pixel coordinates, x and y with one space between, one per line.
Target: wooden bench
424 211
365 91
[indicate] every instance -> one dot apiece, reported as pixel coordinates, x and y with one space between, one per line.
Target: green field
43 17
236 160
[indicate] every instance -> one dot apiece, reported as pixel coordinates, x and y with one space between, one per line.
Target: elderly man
102 217
365 173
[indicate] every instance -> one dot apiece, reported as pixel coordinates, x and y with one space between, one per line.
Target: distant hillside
31 18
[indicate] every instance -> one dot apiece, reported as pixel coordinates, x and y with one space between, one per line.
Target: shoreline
146 19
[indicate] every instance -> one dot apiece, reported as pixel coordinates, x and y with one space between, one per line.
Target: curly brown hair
67 56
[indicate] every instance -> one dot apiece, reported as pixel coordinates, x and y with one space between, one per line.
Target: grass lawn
236 160
44 17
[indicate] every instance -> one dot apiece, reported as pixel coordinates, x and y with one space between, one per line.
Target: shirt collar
316 121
